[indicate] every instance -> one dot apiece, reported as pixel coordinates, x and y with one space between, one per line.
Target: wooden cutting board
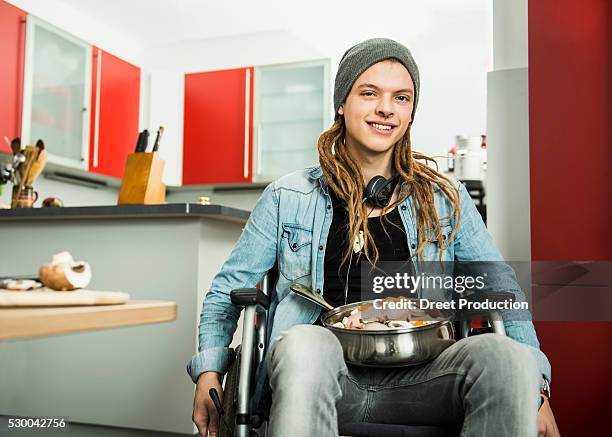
46 297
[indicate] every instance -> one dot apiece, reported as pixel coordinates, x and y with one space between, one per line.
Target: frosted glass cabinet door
291 112
57 92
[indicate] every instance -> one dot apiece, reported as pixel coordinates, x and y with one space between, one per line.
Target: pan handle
308 294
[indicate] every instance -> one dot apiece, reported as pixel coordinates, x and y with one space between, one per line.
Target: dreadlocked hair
344 176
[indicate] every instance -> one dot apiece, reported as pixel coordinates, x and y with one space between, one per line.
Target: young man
307 222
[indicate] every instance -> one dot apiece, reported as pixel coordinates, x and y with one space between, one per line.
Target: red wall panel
12 43
570 97
119 113
570 114
214 127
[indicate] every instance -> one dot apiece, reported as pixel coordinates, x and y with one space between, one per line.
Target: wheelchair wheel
230 396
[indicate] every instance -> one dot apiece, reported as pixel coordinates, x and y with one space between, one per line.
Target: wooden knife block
142 180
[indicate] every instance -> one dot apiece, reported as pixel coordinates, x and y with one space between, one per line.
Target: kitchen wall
86 27
70 193
451 44
242 199
508 213
450 40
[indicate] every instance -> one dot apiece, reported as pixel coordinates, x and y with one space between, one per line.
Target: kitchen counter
156 252
20 323
193 210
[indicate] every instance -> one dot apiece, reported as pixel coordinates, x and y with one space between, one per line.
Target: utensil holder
142 180
24 198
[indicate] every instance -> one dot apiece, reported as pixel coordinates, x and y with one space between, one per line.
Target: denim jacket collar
317 173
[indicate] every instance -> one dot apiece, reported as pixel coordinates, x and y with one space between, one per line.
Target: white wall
510 44
508 209
241 199
166 109
451 45
85 27
508 204
71 194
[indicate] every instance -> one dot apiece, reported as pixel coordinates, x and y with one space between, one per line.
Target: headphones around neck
379 190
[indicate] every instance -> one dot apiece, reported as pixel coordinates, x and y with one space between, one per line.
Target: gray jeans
488 382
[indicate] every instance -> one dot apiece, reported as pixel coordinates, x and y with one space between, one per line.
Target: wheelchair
239 417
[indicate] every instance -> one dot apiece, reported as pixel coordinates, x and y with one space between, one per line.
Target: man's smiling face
378 109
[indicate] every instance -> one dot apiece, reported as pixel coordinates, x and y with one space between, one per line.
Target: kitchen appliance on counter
467 160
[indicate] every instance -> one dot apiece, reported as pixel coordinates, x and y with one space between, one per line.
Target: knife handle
145 140
138 142
160 132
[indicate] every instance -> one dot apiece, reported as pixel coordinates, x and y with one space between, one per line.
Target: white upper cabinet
291 111
57 93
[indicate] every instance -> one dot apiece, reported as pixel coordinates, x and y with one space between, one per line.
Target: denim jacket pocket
432 251
446 231
295 251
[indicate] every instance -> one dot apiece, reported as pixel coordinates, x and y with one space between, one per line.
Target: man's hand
547 427
205 415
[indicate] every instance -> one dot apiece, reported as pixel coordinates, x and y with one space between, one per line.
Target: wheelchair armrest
494 317
249 296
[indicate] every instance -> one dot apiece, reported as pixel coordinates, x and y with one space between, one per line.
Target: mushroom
375 326
65 274
398 324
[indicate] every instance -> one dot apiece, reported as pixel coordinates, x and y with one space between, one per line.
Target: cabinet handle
21 62
247 110
258 150
97 118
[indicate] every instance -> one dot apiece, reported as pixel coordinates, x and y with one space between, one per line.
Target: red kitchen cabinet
218 120
12 50
115 106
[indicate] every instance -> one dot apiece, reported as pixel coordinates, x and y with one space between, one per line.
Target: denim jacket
290 224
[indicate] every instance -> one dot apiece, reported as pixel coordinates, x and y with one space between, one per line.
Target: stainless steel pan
387 348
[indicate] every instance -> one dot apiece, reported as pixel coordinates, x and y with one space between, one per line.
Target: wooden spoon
30 153
16 145
37 167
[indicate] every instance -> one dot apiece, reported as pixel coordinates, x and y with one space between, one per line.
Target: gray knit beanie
362 56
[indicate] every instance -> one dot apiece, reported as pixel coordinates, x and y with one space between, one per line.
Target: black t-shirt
391 247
